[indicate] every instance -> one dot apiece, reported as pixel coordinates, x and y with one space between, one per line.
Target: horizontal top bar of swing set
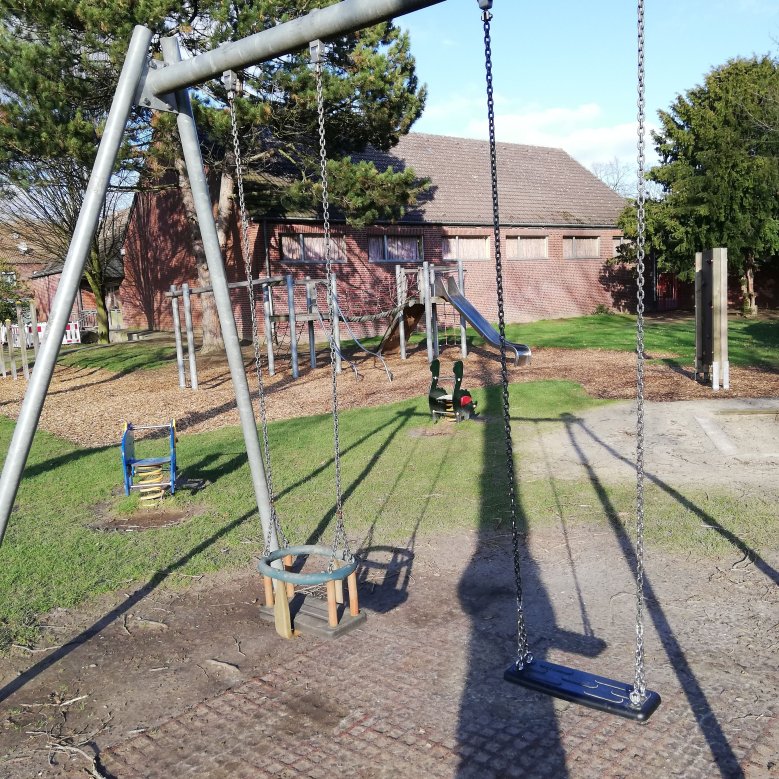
322 23
269 281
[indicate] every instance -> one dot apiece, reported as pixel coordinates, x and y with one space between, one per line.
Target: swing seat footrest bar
597 692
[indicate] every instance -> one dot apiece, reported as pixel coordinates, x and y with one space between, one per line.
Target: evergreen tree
719 170
59 62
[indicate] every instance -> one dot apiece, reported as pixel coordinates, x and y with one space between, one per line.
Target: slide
451 293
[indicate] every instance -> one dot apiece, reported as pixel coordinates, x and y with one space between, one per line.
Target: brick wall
158 253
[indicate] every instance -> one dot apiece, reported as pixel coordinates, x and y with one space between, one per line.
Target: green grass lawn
120 358
752 342
396 482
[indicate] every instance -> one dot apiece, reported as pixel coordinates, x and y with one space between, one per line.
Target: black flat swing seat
596 692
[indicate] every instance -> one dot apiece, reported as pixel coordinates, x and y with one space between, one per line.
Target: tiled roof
19 247
537 185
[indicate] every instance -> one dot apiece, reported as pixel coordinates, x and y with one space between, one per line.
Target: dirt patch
160 682
89 406
432 432
148 518
420 679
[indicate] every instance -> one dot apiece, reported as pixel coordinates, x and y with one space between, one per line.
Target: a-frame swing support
164 86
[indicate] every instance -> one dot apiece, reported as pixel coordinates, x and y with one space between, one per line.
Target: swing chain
638 694
523 653
231 82
339 537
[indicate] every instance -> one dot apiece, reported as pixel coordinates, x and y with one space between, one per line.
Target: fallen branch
93 769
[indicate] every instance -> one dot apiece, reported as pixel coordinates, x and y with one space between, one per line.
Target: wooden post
699 316
281 615
354 605
174 302
310 304
332 606
711 318
268 582
339 586
705 355
288 567
22 340
36 341
721 269
9 335
190 336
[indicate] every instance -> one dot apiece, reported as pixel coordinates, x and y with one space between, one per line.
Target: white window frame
420 248
520 238
616 242
338 255
457 256
573 246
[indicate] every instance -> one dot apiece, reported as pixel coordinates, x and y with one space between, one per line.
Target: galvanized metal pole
190 145
434 311
186 297
11 356
174 302
336 323
400 281
426 295
463 334
321 23
36 341
72 271
22 330
266 311
293 326
310 303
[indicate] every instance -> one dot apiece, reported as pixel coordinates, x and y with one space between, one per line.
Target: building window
527 247
616 242
457 247
395 248
581 248
8 277
311 248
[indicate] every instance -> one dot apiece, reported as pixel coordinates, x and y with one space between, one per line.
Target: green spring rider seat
457 404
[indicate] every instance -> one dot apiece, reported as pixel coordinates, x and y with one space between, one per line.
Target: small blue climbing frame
150 476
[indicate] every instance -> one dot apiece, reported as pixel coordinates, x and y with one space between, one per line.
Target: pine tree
59 61
719 151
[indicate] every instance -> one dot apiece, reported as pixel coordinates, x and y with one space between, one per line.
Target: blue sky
565 71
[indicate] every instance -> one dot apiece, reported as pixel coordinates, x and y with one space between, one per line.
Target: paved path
418 691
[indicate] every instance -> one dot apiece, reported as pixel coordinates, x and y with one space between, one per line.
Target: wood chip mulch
89 406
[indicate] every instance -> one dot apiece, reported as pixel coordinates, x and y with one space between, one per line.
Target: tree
719 170
46 206
11 290
59 61
616 175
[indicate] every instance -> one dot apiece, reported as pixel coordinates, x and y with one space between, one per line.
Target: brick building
558 233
